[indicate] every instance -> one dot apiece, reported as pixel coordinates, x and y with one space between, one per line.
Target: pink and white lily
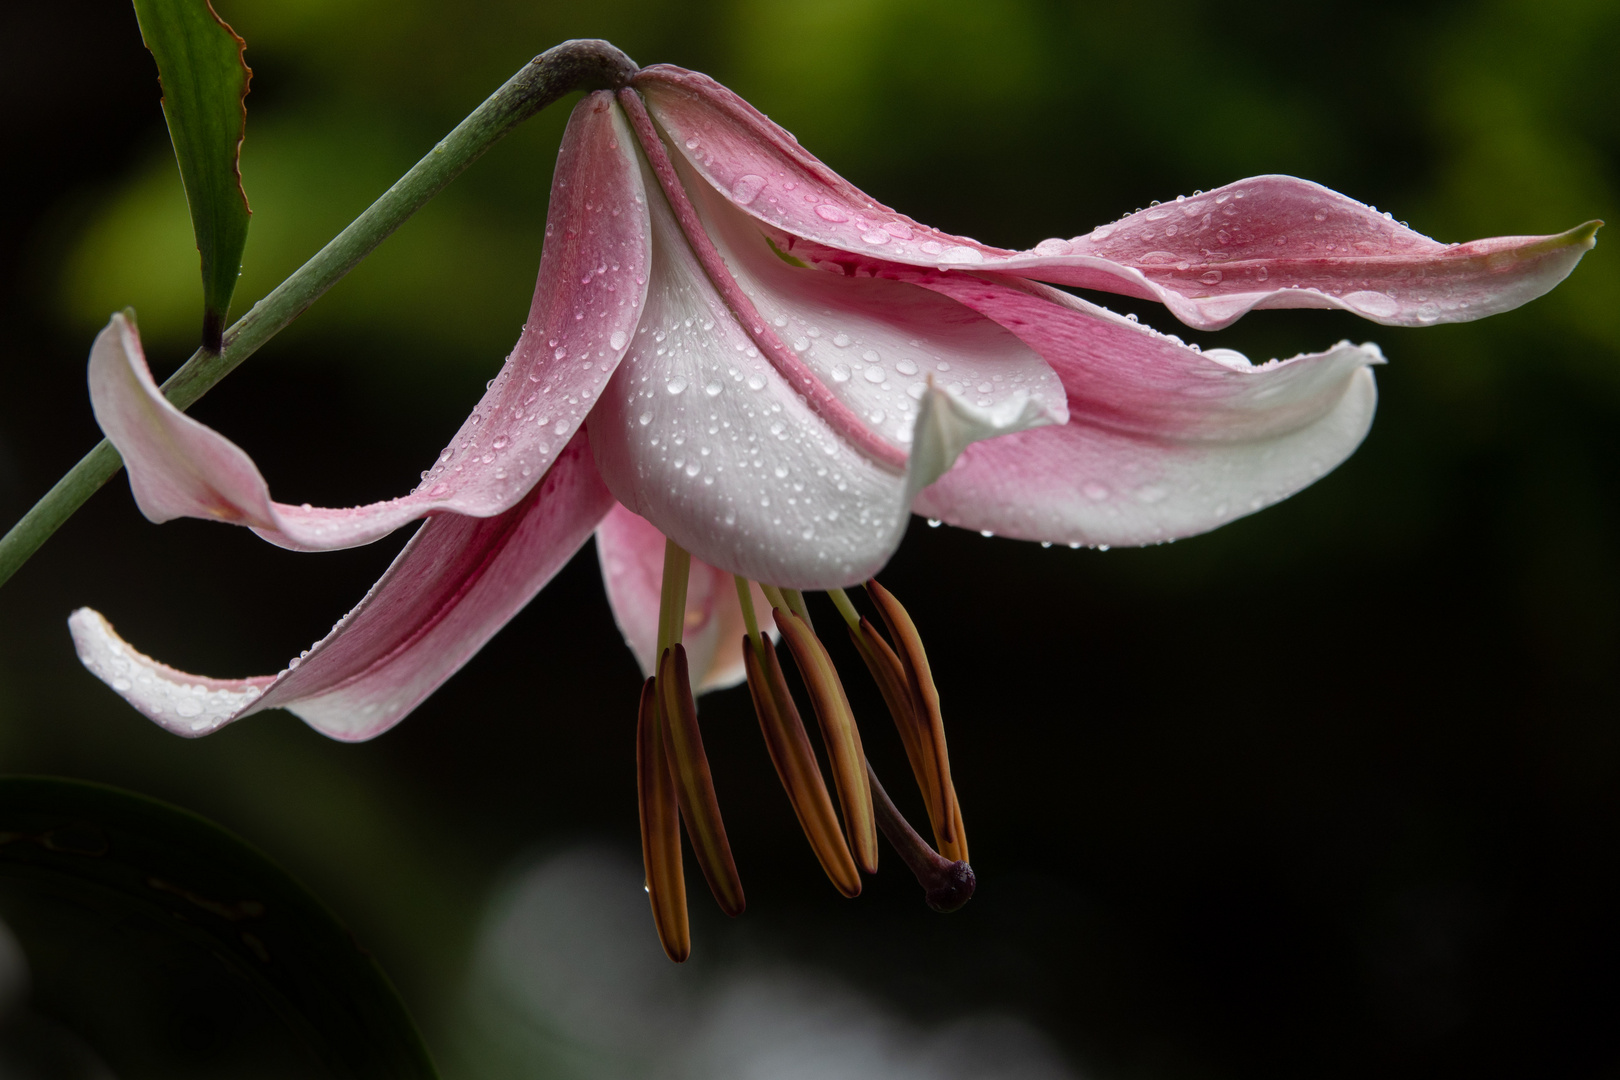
733 348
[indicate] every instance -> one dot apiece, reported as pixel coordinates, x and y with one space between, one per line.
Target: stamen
694 786
890 675
947 885
925 698
745 600
795 600
841 601
838 732
774 595
660 830
672 599
795 763
840 417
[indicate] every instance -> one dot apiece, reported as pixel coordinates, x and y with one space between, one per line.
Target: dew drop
714 388
747 188
617 341
645 418
840 373
829 212
676 385
756 382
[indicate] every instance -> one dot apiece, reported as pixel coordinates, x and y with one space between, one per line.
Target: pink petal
1162 441
631 551
586 307
699 433
1265 242
456 583
1281 242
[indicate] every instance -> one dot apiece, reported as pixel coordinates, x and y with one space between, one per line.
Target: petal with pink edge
586 307
457 582
703 436
1264 242
1163 441
631 551
1282 242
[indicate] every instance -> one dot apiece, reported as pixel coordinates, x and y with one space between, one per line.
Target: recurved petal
456 583
586 305
1162 441
631 552
1264 242
1282 242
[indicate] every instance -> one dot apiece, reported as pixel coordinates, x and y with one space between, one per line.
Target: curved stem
573 65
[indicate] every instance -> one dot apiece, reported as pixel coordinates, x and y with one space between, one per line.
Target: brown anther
795 763
947 884
694 787
838 732
660 830
943 810
890 675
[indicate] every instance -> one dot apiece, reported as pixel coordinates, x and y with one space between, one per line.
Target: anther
925 699
660 830
838 731
947 885
890 675
795 763
694 787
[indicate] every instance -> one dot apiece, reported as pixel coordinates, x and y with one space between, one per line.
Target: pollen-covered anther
947 884
907 684
795 761
694 786
660 829
838 732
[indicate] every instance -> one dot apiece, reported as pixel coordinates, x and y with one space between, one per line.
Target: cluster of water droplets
581 323
1234 239
720 440
186 707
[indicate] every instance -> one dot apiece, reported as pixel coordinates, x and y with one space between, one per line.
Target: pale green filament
672 603
841 601
795 600
745 600
774 595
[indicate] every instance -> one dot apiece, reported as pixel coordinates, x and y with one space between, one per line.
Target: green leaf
205 84
172 948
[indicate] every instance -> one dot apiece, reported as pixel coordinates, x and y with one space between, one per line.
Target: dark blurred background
1329 792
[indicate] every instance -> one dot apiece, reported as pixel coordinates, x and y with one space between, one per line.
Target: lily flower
737 365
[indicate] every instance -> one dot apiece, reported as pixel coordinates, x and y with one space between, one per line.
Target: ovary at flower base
735 354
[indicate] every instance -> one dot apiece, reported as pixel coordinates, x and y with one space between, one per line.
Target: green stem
573 65
672 604
774 595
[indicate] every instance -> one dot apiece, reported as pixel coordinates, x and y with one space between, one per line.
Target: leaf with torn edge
205 84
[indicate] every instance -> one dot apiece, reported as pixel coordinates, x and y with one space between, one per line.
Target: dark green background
1330 792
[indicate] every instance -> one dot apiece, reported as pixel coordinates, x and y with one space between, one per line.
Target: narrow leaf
205 84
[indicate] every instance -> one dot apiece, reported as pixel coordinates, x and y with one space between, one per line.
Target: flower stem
573 65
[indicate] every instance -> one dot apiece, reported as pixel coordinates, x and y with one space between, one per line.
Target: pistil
947 884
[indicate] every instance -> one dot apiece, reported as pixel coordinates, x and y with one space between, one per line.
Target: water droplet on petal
747 188
617 341
840 373
676 385
829 212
